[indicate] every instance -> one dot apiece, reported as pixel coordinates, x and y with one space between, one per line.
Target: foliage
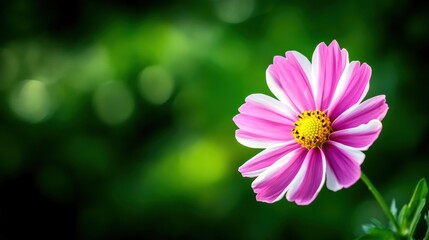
407 218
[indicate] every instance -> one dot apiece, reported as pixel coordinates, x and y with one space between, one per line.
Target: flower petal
343 168
266 158
266 107
352 88
264 122
255 141
303 191
328 65
373 108
360 137
272 184
289 79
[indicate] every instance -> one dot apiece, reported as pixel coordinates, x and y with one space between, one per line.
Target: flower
317 128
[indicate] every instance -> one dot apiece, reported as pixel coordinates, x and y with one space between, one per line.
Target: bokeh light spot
93 68
202 163
113 103
31 101
156 84
234 11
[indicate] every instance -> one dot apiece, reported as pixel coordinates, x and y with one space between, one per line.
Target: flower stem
380 200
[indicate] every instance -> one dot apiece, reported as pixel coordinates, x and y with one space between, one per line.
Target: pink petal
373 108
256 141
360 137
352 88
272 184
343 168
266 158
288 78
263 127
266 107
328 65
264 122
304 189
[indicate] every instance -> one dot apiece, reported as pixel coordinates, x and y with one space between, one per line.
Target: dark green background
115 117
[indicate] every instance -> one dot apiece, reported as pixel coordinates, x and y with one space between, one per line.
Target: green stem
427 230
380 200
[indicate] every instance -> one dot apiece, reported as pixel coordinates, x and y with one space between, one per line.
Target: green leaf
402 214
410 213
367 227
393 209
427 224
378 234
373 224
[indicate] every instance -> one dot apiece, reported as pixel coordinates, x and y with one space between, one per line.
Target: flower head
317 129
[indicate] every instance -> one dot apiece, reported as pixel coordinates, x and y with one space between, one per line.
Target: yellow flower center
312 129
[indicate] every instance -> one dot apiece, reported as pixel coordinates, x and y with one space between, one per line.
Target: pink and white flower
315 131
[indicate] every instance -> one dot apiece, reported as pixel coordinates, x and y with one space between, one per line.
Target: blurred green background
115 117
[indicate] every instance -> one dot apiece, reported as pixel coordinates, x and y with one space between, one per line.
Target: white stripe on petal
328 66
305 64
343 82
324 170
272 103
276 166
357 155
373 108
295 155
315 64
277 90
251 143
343 168
304 192
331 181
266 158
296 182
360 137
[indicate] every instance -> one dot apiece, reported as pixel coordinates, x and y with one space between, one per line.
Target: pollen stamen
312 129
